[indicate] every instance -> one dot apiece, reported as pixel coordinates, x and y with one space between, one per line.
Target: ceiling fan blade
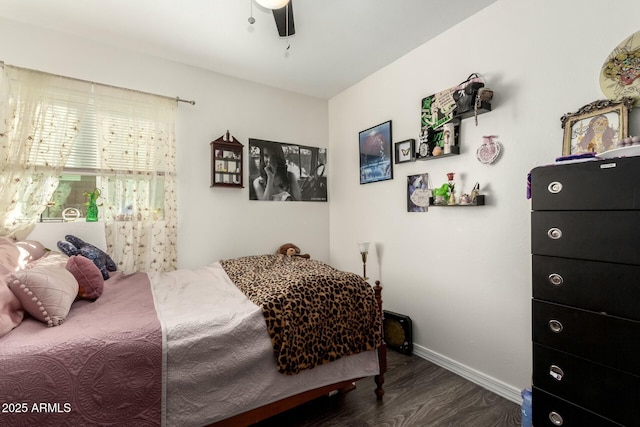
280 15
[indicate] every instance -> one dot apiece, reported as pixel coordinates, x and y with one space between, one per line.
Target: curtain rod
176 98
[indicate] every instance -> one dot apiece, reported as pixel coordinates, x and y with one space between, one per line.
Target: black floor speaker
397 332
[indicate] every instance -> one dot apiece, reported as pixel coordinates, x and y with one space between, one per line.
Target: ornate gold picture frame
597 127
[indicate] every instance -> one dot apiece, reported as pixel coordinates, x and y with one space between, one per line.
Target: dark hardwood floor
417 394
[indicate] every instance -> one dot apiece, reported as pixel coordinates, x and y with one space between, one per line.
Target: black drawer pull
554 233
555 326
556 372
556 279
555 418
555 187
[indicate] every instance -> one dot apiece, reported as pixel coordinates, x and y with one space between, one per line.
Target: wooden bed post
382 350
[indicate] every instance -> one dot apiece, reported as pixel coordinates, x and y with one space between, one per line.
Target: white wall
213 223
463 274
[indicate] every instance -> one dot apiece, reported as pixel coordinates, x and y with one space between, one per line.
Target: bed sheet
218 355
104 361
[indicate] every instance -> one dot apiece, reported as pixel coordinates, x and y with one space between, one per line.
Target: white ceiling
337 42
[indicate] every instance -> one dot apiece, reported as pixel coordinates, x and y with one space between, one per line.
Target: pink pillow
13 256
30 250
89 277
45 288
9 255
11 312
16 255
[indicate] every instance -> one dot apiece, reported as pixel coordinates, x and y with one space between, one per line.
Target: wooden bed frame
263 412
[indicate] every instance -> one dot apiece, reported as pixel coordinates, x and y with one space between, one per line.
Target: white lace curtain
136 141
40 118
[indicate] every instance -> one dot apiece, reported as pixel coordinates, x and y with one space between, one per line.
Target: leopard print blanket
315 314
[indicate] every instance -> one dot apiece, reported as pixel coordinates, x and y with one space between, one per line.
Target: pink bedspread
102 366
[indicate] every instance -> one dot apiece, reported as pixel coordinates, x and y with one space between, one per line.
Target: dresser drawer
551 411
608 392
601 338
610 236
607 184
591 285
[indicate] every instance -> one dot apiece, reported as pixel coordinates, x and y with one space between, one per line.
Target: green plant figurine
441 194
92 206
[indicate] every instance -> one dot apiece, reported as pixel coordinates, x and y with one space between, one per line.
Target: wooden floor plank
418 394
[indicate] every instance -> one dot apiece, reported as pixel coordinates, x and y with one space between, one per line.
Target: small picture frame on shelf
597 127
405 151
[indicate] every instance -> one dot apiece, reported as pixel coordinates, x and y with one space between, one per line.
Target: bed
225 344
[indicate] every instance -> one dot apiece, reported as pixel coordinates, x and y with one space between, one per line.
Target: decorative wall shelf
226 162
455 150
485 107
479 202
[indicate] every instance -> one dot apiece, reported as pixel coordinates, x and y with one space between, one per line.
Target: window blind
55 121
67 122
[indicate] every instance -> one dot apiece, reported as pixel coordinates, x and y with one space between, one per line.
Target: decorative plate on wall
489 151
620 74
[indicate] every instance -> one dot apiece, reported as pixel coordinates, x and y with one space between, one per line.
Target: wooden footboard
255 415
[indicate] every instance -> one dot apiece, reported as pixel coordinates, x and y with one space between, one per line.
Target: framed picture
405 151
376 155
418 193
596 127
298 172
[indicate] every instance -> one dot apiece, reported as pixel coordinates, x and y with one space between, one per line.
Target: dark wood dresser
585 245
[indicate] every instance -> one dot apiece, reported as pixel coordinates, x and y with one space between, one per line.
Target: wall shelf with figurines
226 162
439 143
445 195
453 152
442 113
478 201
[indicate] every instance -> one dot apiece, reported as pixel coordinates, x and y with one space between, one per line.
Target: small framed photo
418 193
376 154
596 127
405 151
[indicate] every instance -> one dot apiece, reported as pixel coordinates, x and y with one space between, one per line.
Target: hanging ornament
489 151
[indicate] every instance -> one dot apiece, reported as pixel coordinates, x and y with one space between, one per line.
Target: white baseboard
495 386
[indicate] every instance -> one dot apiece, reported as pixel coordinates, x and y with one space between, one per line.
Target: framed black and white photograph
376 155
405 151
287 172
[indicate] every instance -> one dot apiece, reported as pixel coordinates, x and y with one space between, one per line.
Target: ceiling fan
283 15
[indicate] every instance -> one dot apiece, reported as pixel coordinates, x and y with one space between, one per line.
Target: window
62 138
69 194
124 180
40 122
79 174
